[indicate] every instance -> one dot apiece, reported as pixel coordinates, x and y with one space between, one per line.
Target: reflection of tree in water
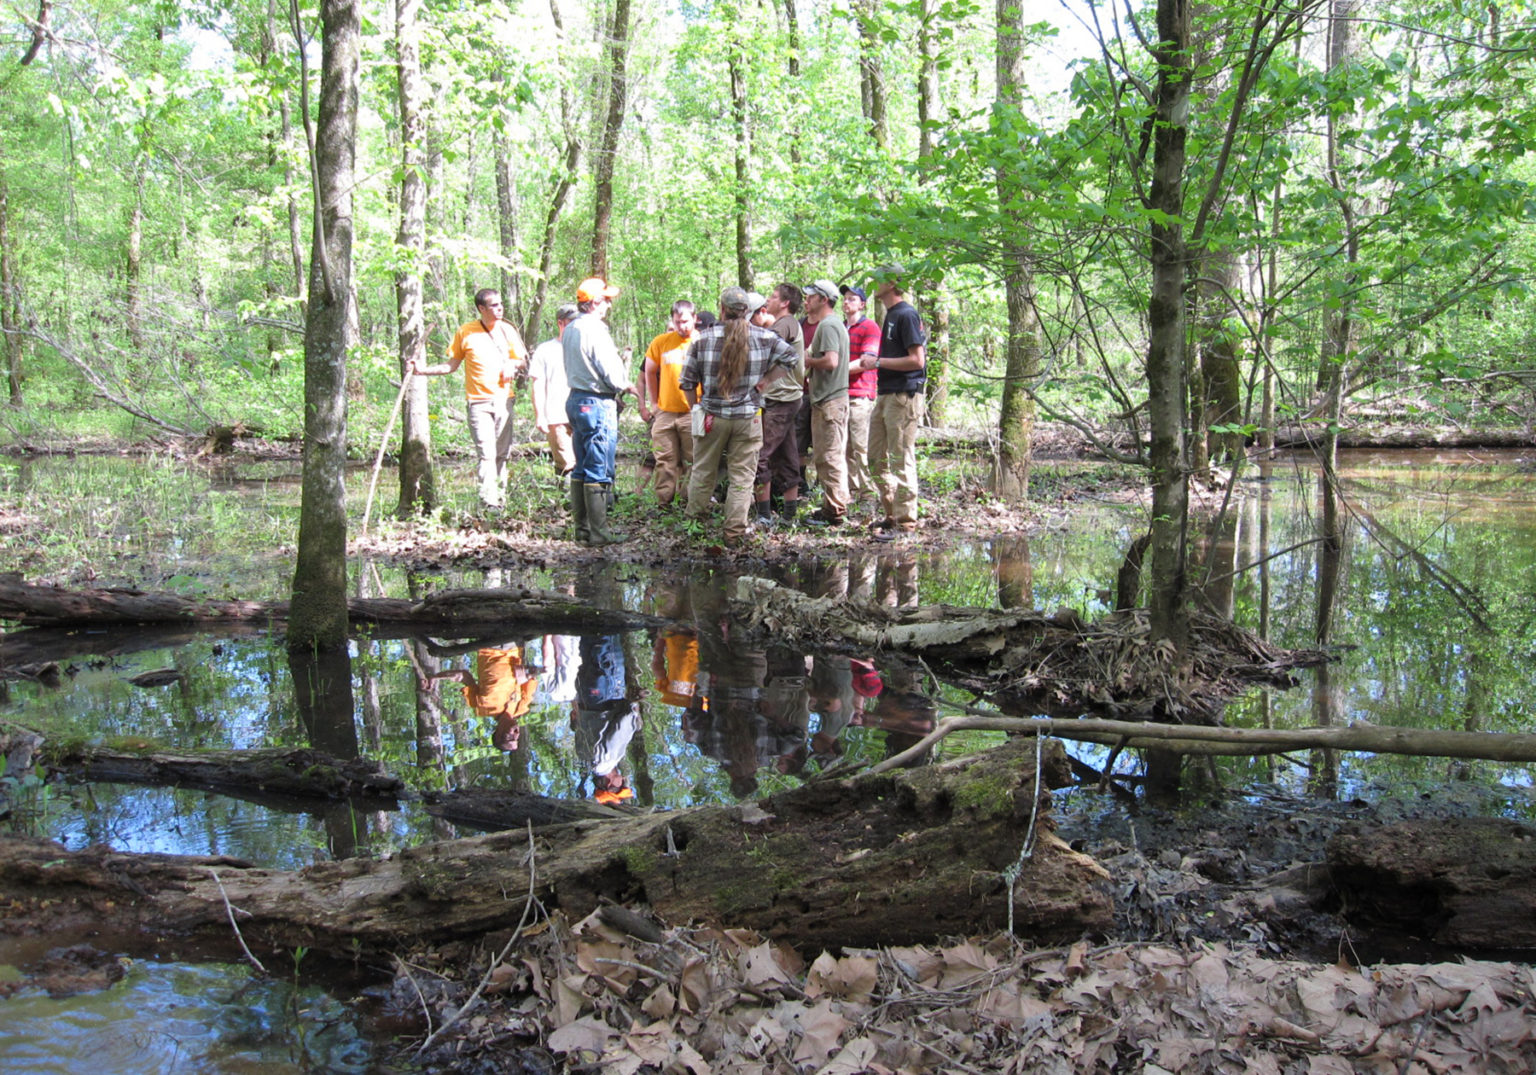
322 691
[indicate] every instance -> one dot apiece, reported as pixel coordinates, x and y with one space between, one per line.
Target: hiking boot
579 510
598 498
880 525
822 517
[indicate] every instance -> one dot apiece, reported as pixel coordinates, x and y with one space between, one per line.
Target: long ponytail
733 355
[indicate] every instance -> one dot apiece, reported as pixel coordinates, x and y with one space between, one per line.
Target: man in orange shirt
493 356
671 435
501 687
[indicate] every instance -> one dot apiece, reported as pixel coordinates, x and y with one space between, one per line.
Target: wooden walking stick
389 428
378 460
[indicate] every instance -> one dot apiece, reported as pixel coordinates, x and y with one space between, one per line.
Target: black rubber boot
598 499
579 511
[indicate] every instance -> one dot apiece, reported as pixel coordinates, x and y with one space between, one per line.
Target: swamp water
1428 593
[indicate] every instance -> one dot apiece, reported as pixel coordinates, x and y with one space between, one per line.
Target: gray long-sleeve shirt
592 362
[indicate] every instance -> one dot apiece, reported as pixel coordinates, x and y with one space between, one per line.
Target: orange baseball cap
592 288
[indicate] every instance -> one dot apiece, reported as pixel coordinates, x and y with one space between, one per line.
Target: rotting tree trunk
418 486
1457 881
901 858
461 610
319 614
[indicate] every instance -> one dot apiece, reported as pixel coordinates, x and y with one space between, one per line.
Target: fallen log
1239 742
1056 663
495 810
463 611
1465 882
1381 437
256 775
894 859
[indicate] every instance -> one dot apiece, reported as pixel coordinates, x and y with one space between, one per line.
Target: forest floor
956 506
1226 957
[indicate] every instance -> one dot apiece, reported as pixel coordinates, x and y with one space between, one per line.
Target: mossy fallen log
895 859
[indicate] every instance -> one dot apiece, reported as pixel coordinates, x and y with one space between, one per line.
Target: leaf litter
704 1001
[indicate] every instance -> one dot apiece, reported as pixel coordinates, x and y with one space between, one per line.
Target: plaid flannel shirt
701 370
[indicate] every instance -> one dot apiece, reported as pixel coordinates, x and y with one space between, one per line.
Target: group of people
757 393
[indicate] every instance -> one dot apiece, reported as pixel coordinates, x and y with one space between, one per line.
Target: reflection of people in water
557 680
900 709
501 687
832 698
603 715
675 663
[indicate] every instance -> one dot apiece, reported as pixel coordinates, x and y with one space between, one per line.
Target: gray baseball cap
736 298
755 302
825 288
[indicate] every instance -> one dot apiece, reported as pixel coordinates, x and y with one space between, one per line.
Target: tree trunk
871 76
418 484
133 268
1016 417
1166 371
928 78
1219 336
570 163
506 215
902 858
10 294
792 64
740 117
1339 321
608 147
936 383
319 612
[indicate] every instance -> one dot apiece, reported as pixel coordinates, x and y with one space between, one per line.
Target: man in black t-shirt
902 364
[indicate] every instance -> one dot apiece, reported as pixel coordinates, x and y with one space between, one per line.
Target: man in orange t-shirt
493 356
501 686
671 432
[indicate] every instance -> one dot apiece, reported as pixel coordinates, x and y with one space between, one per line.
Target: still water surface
1428 595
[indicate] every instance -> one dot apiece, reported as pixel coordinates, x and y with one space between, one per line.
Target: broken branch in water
1241 742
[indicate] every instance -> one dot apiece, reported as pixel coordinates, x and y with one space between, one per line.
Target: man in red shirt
863 342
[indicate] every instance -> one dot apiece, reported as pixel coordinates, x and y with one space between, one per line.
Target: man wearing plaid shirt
726 370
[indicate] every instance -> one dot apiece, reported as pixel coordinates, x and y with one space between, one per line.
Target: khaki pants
672 444
559 437
829 436
893 454
860 411
737 441
490 428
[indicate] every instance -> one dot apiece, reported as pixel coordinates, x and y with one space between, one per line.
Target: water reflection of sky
692 714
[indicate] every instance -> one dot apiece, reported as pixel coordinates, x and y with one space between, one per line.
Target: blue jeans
595 433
